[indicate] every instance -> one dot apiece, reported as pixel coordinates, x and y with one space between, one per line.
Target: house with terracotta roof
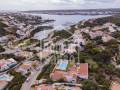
78 39
6 64
25 54
55 87
25 67
45 87
80 70
45 53
57 75
3 84
106 38
71 48
6 77
115 86
71 73
83 71
60 70
95 34
4 80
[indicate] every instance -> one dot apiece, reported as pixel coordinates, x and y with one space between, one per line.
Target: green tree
89 85
17 81
103 56
1 49
103 83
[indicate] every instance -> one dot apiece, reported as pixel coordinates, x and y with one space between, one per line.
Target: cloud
78 1
68 1
102 0
57 4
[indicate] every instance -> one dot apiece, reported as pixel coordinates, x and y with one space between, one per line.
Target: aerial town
84 57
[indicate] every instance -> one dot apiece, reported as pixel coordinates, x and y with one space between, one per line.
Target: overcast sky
57 4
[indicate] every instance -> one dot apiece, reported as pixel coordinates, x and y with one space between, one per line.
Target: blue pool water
62 66
2 78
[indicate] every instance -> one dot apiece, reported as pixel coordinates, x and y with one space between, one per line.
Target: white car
28 79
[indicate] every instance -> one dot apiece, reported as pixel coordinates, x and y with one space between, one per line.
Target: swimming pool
63 65
3 77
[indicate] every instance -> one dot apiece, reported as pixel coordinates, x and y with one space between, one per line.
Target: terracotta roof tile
57 75
115 86
46 87
83 71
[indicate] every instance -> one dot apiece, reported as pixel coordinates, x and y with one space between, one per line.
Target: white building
106 38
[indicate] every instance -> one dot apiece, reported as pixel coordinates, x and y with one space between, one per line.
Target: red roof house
83 71
57 75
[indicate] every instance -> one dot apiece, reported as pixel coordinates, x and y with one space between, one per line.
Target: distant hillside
79 12
100 21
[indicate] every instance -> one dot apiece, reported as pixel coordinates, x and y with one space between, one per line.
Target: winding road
31 79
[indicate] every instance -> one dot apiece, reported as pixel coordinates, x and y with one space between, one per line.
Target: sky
57 4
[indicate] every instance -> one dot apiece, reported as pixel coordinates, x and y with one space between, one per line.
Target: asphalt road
31 79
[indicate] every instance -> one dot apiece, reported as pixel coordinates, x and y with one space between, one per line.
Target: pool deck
62 65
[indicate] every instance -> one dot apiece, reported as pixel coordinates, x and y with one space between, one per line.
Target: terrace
5 77
80 71
4 80
44 53
25 54
62 65
71 48
71 74
6 64
25 67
